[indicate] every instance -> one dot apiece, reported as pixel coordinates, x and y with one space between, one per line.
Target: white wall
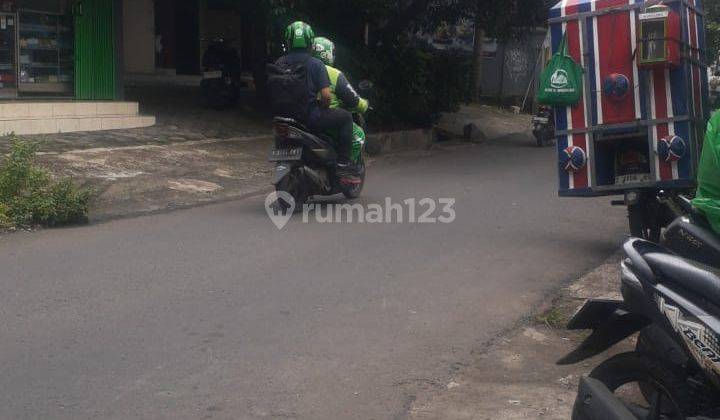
139 36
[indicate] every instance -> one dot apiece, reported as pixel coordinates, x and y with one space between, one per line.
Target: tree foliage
414 82
712 9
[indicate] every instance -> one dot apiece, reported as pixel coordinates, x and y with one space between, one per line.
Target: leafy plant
712 10
413 82
29 195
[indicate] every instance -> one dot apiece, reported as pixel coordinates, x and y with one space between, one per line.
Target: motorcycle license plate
541 120
632 179
282 155
212 75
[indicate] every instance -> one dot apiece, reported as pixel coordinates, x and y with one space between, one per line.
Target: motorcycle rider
342 92
321 117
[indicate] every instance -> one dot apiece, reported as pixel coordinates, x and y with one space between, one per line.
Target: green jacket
343 94
708 192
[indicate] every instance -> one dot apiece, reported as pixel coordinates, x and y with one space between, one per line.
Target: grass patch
29 196
553 318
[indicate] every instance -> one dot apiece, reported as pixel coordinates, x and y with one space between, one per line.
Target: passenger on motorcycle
321 117
343 95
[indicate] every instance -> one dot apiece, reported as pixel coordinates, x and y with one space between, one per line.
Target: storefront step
67 124
37 109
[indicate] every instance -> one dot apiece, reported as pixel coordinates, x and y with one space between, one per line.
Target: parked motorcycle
599 403
306 161
544 126
221 74
674 372
690 235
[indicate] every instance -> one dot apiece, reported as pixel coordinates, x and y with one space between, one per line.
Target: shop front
60 64
57 49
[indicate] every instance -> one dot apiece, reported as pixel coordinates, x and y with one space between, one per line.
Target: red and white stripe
661 108
576 115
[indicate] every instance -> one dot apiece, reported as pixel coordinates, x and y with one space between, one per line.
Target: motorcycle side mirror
365 85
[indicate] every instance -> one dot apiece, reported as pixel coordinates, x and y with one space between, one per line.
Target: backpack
288 88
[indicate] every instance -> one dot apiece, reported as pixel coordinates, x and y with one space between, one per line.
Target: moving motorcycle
306 161
544 126
674 372
221 74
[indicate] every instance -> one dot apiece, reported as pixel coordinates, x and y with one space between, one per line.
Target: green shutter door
94 50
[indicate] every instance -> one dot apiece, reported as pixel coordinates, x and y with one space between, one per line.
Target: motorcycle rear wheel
662 391
293 184
354 191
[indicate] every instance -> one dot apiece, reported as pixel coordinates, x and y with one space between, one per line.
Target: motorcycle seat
291 121
696 278
321 139
320 144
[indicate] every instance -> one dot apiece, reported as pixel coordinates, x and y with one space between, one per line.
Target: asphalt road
213 313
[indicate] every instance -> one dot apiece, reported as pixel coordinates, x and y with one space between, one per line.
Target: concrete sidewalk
152 177
514 377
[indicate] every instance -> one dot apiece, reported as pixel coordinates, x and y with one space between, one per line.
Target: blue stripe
592 75
681 97
561 122
563 175
704 83
644 80
556 34
682 129
555 12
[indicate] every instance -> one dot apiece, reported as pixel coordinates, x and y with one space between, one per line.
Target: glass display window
45 48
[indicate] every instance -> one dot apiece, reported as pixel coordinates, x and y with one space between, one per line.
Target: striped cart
639 127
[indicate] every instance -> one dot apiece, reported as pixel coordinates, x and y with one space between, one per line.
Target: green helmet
324 49
298 35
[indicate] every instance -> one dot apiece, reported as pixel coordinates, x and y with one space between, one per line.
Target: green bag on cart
708 192
561 83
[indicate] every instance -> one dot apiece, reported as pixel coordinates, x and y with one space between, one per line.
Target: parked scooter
599 403
675 368
544 126
306 161
690 235
221 74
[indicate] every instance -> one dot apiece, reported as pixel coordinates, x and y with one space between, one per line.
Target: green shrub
29 195
5 220
413 82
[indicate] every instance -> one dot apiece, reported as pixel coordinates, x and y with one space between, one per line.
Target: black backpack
288 87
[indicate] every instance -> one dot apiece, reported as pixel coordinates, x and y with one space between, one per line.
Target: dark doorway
165 46
187 22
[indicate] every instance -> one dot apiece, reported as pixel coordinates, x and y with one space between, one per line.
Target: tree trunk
477 64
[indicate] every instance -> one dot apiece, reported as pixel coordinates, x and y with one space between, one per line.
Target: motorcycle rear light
282 130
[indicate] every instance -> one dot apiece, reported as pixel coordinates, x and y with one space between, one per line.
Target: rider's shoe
348 174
